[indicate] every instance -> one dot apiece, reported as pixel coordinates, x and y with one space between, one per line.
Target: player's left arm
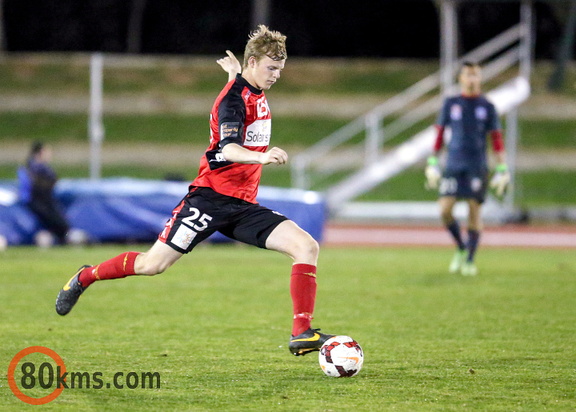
498 146
501 177
233 152
495 132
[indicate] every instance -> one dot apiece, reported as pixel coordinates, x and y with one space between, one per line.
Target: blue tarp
133 210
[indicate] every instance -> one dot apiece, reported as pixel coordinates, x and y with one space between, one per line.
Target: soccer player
471 118
223 195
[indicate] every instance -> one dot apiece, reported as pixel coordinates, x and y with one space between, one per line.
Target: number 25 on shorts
197 220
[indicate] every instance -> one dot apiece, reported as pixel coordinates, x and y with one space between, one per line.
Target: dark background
393 28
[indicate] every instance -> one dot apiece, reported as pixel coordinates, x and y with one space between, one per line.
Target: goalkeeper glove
433 173
500 180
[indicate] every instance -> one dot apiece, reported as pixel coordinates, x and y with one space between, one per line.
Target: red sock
118 267
303 292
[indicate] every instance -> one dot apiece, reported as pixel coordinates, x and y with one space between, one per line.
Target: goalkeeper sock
454 229
303 292
115 268
473 239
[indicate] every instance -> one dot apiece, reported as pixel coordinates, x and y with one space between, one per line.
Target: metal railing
406 109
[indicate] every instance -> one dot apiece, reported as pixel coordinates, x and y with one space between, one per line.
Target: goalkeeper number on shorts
498 185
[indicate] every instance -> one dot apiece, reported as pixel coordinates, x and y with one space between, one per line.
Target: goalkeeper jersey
240 115
470 119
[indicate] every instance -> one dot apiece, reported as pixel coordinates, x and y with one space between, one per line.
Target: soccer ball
341 356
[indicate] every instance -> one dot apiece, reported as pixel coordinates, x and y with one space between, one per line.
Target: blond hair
265 42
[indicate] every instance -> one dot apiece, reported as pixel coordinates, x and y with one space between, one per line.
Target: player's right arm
230 65
433 172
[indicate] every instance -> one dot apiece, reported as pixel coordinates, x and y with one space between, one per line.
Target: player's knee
307 249
313 247
446 215
475 224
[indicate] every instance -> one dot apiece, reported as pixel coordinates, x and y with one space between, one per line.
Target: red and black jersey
240 115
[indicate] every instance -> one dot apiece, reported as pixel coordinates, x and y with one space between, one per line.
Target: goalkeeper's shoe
308 341
457 261
469 269
69 294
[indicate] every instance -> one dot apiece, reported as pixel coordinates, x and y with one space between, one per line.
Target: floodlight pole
512 135
260 13
95 125
527 38
448 44
2 34
512 129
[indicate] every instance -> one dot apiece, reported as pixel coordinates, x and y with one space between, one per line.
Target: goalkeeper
471 118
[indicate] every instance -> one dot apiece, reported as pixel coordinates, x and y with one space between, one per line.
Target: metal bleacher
368 164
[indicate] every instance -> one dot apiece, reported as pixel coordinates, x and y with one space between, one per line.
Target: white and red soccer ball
341 356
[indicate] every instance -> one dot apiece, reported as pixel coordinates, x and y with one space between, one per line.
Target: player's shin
303 293
115 268
473 240
454 229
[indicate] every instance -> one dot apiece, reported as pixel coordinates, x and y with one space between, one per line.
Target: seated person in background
36 181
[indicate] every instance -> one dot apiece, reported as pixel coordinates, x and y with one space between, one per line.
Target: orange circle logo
14 386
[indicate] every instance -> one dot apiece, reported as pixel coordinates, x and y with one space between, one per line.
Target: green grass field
215 327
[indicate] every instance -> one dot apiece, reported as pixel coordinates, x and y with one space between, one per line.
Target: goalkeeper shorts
464 185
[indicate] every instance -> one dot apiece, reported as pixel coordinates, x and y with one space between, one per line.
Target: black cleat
69 294
308 341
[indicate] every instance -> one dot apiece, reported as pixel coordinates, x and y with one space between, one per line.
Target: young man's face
264 73
470 78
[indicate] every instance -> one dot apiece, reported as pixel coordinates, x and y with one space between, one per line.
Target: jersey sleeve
444 115
231 117
497 141
439 142
493 119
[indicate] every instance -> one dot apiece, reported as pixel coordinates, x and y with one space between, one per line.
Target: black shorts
203 212
464 184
